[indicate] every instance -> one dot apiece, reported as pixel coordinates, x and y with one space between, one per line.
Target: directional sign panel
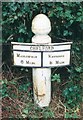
41 55
56 59
27 59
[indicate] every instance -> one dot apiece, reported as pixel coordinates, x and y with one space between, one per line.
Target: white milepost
41 26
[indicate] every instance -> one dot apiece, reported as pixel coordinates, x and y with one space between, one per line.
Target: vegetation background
67 82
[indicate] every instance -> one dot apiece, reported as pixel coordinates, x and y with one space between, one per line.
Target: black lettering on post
49 56
33 63
57 62
27 62
50 62
31 48
18 55
22 61
52 47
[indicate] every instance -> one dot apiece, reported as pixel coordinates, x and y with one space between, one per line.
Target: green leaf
79 13
24 115
81 25
59 8
70 33
65 92
79 19
69 101
4 14
77 48
20 14
78 69
15 17
68 115
56 77
20 40
26 111
21 31
68 13
70 89
75 115
65 32
71 21
13 82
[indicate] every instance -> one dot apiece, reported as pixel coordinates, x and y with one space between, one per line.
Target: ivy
66 18
72 95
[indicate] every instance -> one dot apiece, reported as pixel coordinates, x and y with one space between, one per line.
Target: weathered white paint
41 76
42 86
41 25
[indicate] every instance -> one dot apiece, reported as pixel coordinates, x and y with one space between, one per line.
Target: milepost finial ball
41 24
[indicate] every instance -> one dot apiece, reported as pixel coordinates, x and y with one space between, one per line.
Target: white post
41 26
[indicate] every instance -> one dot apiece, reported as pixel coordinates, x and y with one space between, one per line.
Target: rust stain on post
39 89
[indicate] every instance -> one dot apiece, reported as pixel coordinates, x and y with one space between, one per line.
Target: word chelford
42 48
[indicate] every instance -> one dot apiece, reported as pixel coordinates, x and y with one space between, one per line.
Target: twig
54 70
1 65
62 104
63 39
21 102
64 83
15 102
18 78
9 37
10 70
14 88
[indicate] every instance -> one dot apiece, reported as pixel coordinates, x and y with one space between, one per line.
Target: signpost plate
27 59
39 55
56 59
41 47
